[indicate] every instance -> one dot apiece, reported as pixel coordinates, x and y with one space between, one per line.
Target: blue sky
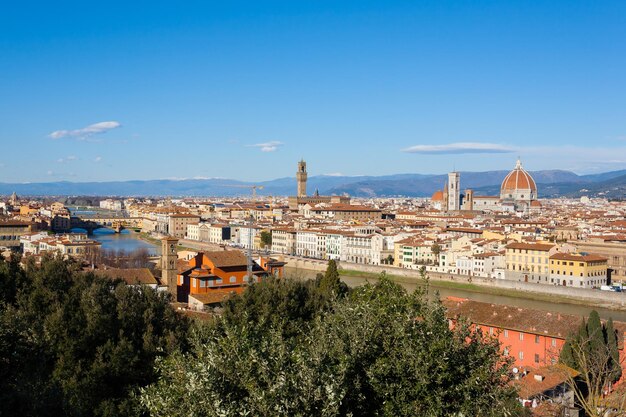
244 89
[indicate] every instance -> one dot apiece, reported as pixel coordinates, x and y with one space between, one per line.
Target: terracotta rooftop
226 258
213 296
578 258
531 246
548 377
520 319
131 276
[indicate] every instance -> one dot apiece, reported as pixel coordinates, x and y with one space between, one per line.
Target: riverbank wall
614 300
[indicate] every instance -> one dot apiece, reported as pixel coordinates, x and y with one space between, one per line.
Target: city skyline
241 90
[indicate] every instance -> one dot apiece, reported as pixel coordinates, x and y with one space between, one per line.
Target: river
126 240
574 309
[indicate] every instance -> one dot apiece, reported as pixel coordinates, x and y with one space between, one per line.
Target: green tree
330 283
76 344
611 340
266 238
595 333
377 352
436 250
284 304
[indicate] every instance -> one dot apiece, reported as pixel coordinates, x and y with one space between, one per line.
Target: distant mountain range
551 183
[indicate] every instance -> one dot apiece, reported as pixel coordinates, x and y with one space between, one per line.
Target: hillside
551 183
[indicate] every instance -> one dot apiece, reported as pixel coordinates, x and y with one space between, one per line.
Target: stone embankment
613 300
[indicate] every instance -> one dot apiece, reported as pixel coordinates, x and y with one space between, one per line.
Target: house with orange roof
222 271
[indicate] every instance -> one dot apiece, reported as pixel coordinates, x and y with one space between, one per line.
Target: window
521 336
553 342
521 355
506 351
536 338
506 333
536 358
233 280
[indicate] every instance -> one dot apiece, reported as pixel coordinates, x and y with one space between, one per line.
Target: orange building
222 271
533 338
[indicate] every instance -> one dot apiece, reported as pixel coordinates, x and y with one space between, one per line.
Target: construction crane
252 187
250 225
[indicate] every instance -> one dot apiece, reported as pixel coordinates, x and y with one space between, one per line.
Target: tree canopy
376 352
75 344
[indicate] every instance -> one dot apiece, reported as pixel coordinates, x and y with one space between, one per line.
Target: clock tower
169 270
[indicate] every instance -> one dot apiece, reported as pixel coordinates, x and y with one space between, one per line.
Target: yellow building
529 262
28 210
582 271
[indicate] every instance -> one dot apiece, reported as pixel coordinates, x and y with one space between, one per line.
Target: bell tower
454 192
301 176
169 270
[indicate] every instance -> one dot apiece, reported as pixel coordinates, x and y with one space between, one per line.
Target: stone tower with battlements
301 176
169 270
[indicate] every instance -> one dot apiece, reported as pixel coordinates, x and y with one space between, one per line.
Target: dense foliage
75 344
291 348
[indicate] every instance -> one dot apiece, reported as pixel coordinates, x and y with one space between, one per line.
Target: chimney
539 378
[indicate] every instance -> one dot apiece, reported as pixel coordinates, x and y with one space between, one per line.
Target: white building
284 241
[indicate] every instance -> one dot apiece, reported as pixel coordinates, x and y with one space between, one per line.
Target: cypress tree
567 355
330 282
596 334
611 341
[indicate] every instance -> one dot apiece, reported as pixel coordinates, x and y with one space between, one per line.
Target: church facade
518 193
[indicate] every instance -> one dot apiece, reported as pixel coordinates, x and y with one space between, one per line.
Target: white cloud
97 159
460 148
50 172
86 132
67 159
268 146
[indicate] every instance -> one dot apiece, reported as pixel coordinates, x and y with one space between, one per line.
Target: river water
126 240
574 309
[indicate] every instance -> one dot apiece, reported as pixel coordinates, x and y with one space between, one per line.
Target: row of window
520 355
589 274
204 283
513 258
527 251
514 267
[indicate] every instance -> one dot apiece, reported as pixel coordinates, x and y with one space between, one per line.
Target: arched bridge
91 223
